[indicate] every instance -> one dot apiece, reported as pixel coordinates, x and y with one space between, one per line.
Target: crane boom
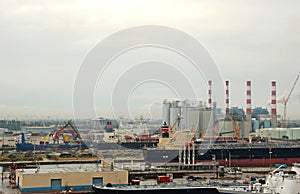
236 134
285 101
56 135
175 122
74 131
292 88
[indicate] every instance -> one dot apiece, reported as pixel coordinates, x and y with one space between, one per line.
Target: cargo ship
234 155
140 142
132 143
166 189
124 139
23 146
76 143
181 147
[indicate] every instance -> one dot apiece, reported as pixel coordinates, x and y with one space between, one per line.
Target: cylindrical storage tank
193 114
184 117
255 125
206 121
277 133
293 133
166 111
296 133
267 124
226 128
283 133
174 113
273 132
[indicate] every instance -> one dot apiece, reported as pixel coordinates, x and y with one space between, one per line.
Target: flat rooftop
64 168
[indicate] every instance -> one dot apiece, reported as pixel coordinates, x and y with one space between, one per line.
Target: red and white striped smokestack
227 96
273 104
248 99
209 93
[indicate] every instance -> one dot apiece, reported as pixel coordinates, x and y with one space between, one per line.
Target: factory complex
195 136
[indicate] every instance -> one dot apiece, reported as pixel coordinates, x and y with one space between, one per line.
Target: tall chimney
227 97
248 100
209 94
273 105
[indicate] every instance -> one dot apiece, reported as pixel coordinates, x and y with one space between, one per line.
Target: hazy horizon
44 44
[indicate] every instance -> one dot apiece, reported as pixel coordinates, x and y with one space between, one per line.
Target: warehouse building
81 177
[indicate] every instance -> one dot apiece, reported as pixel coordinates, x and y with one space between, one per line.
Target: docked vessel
68 144
51 147
284 181
124 139
237 154
143 141
155 189
181 147
128 142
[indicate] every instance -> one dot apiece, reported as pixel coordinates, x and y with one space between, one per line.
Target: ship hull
138 145
33 147
231 155
156 190
123 145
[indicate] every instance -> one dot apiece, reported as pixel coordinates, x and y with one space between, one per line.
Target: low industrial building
277 133
81 177
131 164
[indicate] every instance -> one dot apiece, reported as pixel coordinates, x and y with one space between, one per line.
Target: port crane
74 132
236 131
285 101
177 121
236 134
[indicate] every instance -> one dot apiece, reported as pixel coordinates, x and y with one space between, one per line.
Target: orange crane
236 134
177 121
285 101
236 131
74 132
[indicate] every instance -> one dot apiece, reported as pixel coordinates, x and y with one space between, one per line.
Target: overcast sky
43 44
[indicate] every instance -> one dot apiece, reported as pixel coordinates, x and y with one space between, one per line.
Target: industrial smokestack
209 94
248 123
227 96
273 105
248 100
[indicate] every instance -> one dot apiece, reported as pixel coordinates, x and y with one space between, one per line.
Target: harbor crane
177 121
74 132
236 134
236 131
285 101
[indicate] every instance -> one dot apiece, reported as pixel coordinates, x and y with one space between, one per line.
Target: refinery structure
207 120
